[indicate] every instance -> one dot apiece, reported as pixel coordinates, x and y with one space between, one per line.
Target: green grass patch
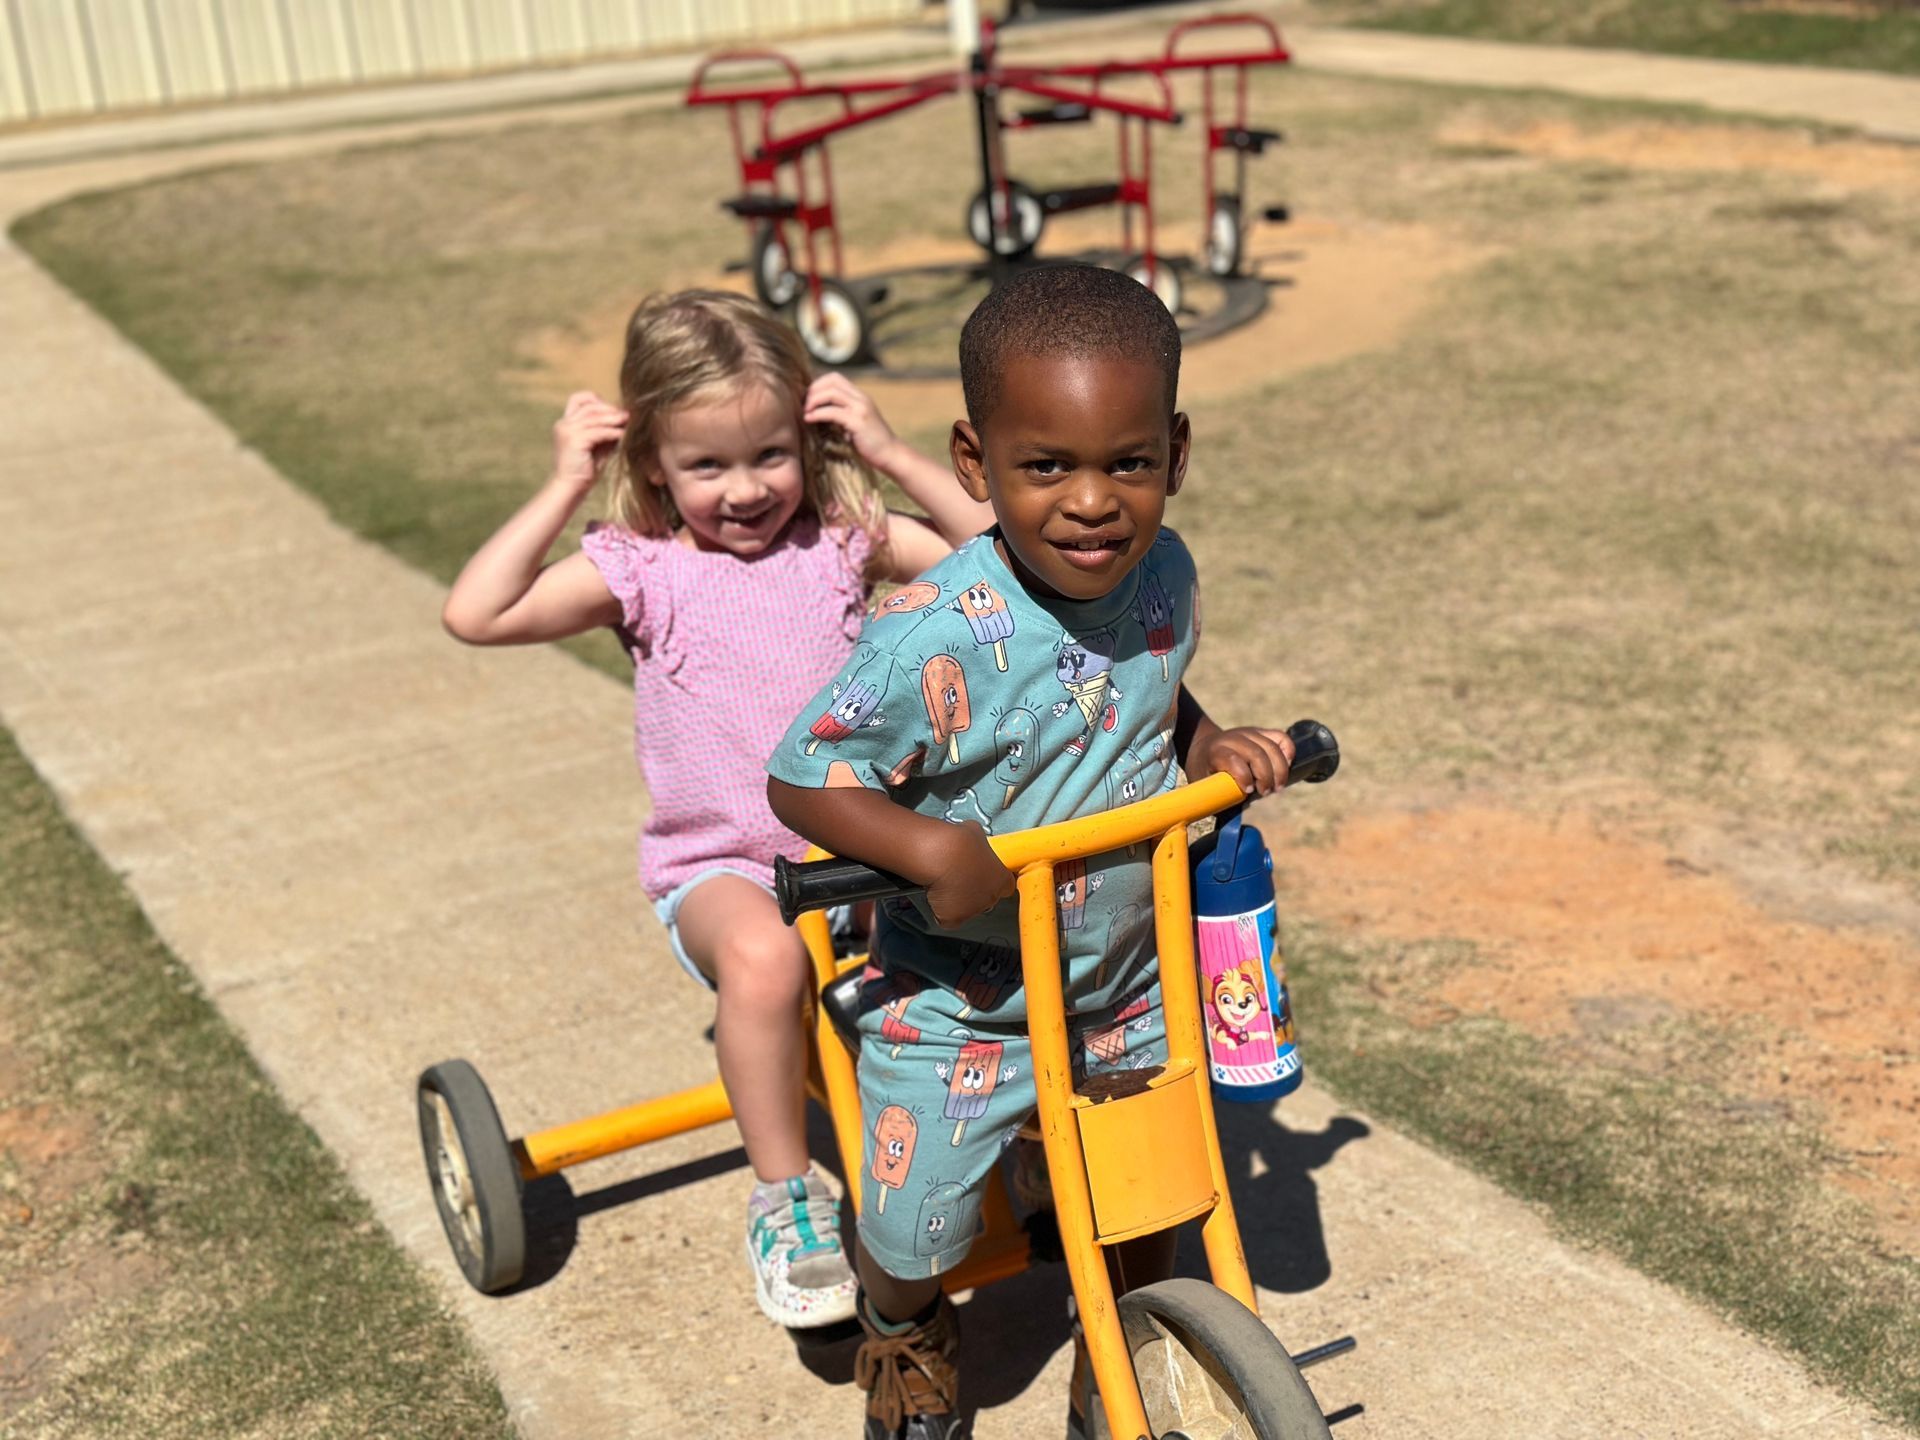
1644 1156
239 1285
1864 35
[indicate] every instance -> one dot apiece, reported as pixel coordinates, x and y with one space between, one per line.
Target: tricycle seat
762 207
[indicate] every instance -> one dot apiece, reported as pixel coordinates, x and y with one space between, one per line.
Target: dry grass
1863 34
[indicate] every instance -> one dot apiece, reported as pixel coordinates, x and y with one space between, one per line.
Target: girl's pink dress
726 651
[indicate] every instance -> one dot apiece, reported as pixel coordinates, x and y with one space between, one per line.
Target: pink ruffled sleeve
621 558
851 548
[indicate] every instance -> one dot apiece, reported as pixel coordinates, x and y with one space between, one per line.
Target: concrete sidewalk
377 849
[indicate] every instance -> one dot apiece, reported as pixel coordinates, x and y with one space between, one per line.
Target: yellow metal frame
1103 1192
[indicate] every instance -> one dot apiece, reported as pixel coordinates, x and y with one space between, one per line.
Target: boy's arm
953 863
504 595
953 515
1258 758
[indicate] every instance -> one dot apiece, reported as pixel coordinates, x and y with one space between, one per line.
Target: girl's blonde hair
706 344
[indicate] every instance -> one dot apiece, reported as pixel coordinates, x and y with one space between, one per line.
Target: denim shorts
667 907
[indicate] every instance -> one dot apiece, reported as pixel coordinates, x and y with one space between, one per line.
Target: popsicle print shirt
967 698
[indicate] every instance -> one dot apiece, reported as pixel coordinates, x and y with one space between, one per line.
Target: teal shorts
940 1098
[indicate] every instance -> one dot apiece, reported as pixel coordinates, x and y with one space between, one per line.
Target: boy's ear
969 459
1179 443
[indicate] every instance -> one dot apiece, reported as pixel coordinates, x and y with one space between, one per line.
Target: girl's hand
1258 759
583 437
971 880
835 400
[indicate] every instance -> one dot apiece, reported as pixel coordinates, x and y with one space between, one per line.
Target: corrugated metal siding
83 57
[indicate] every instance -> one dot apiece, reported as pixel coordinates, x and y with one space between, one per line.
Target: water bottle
1243 979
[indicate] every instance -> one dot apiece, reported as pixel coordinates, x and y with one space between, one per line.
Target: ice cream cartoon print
1015 740
907 599
989 968
988 617
856 700
1084 668
1128 928
1107 1046
891 993
948 1214
1156 616
1071 887
965 806
943 686
896 1131
971 1079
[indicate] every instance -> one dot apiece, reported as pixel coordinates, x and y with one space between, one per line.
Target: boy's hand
1257 758
583 437
969 879
835 400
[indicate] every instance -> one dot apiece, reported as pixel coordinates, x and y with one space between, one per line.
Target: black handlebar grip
1316 754
816 884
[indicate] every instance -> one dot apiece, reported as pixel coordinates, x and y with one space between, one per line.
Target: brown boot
912 1384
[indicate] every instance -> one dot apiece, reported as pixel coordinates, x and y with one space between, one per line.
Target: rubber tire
847 336
1226 1344
771 264
480 1162
1226 237
1028 213
1166 281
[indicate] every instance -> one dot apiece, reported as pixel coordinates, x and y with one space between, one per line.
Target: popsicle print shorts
941 1098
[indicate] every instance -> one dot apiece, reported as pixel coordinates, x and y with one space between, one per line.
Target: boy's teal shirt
969 698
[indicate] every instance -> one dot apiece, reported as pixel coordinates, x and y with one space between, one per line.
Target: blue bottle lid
1233 871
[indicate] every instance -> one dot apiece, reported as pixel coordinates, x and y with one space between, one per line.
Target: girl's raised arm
953 514
504 595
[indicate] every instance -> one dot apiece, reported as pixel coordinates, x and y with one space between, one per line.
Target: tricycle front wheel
1208 1369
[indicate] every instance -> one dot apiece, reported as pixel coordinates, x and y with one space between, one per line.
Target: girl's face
732 465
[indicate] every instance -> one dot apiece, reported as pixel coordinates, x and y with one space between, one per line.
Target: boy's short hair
1064 310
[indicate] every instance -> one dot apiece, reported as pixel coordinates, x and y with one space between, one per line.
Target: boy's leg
731 929
908 1363
938 1099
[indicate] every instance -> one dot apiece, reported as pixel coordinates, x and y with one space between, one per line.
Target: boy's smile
1077 459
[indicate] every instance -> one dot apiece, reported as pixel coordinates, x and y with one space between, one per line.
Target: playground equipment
1130 1154
787 187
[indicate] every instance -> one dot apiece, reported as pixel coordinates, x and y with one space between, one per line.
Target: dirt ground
1659 920
1338 290
1628 924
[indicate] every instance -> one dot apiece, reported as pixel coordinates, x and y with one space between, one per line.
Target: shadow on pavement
1279 1208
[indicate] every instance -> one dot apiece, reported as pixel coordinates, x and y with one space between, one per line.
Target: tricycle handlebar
816 884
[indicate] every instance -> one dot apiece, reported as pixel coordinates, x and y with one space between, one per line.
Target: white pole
963 24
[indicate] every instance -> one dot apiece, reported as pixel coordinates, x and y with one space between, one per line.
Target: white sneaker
800 1271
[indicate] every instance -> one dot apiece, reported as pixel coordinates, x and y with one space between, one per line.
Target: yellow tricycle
1178 1360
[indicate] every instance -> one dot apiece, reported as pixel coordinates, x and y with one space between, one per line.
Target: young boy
1032 677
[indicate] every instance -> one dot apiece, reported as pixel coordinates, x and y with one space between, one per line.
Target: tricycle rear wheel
476 1184
1208 1369
775 280
832 324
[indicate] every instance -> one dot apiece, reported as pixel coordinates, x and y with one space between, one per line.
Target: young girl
742 543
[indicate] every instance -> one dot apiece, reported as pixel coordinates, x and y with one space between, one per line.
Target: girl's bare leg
731 929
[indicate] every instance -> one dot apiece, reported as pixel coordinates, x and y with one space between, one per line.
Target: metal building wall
80 57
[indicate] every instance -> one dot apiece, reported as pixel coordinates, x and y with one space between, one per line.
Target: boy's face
1077 459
